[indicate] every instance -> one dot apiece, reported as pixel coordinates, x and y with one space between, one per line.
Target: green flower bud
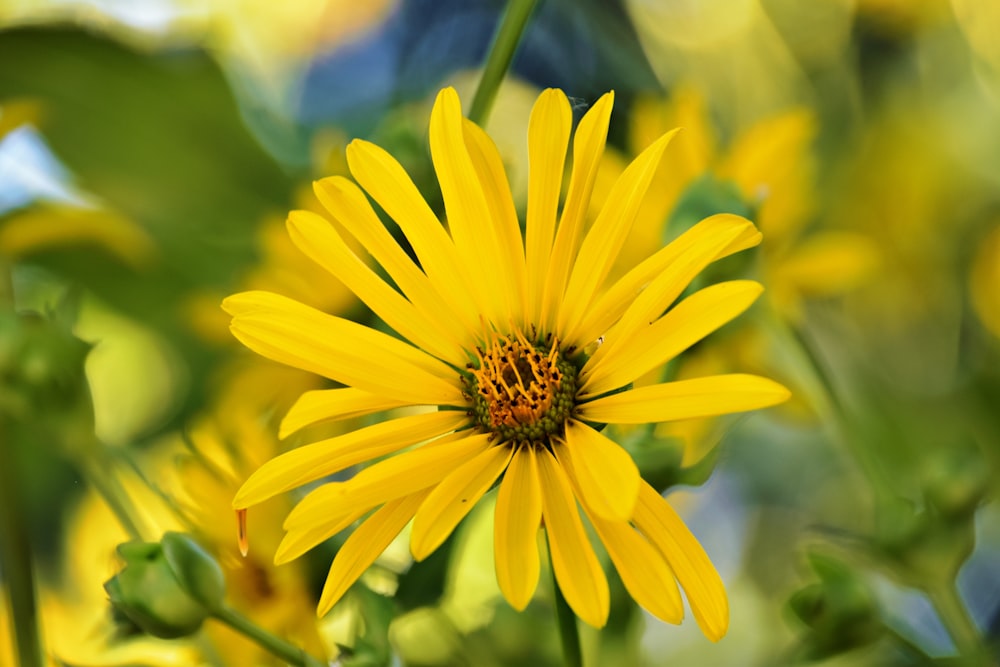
167 589
839 610
955 479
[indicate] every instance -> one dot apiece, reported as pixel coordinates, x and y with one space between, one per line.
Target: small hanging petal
241 532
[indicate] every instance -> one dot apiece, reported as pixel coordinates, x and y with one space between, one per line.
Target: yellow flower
523 348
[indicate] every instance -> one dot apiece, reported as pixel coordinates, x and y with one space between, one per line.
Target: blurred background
149 152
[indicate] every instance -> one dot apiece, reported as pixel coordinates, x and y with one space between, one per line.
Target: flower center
522 391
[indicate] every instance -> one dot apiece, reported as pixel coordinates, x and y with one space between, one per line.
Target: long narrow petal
588 147
410 471
706 595
351 208
489 166
601 245
643 570
317 239
468 216
326 457
515 530
577 569
365 545
302 538
454 497
647 290
605 474
685 399
322 405
291 333
327 501
389 185
684 325
548 137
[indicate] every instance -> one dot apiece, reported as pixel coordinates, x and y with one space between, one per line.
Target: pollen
522 391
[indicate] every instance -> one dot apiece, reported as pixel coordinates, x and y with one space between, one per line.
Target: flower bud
167 589
839 610
955 479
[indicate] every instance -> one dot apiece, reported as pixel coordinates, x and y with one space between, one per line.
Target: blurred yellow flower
522 346
771 165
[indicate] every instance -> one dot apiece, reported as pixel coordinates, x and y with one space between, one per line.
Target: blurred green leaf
159 140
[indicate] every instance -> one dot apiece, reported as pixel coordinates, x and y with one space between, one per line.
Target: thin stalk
290 653
116 497
505 43
956 619
569 632
15 561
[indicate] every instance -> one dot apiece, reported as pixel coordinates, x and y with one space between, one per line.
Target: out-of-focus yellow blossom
984 282
733 49
53 225
772 167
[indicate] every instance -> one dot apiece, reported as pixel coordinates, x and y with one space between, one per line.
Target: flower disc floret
522 391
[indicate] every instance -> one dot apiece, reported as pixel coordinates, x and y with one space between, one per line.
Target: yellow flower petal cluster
519 347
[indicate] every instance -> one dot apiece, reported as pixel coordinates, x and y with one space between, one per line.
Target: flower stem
956 620
569 633
114 495
290 653
15 560
505 42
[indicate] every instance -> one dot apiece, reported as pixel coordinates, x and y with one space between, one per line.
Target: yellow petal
604 473
468 216
351 208
304 537
322 405
647 290
454 497
684 325
706 595
515 529
548 137
489 166
388 183
601 245
318 240
326 457
643 570
588 146
686 399
577 570
291 333
365 545
410 471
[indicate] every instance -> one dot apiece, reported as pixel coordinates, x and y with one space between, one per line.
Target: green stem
15 560
114 494
290 653
957 621
505 43
820 388
569 632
